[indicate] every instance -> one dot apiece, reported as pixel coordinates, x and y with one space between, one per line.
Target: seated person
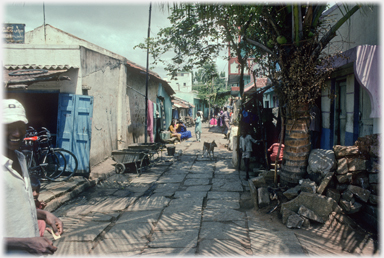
274 149
185 134
172 128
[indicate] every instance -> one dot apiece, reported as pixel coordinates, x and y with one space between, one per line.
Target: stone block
307 185
259 181
285 214
309 214
342 166
374 188
334 194
361 193
373 199
253 191
292 192
295 221
324 183
345 205
350 207
343 151
373 166
356 164
361 179
373 178
342 179
321 205
347 195
263 197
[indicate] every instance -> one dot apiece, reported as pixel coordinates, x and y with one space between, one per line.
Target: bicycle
45 162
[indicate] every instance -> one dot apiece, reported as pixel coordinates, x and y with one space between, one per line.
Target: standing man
198 129
21 232
246 150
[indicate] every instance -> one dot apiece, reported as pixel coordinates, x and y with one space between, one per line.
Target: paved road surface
194 206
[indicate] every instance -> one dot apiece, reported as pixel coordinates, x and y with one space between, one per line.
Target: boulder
324 183
361 193
342 166
321 161
263 197
309 214
334 194
292 192
295 221
321 205
345 151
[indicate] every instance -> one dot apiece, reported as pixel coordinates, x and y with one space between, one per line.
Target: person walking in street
246 149
21 232
198 128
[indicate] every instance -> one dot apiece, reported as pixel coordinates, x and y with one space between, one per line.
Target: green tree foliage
288 36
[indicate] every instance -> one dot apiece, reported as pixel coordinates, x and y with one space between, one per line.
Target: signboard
14 33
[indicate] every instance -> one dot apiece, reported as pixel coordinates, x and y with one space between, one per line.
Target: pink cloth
213 121
150 121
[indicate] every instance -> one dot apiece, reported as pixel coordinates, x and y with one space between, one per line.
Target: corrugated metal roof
34 66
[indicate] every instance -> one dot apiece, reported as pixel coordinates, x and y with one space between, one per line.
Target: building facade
96 105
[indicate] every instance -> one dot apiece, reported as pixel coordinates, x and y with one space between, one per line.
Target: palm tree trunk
297 147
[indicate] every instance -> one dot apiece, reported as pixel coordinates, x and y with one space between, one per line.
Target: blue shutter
74 125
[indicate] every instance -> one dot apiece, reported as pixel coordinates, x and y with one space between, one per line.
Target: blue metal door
74 125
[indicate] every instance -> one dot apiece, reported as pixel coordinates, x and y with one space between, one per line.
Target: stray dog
209 148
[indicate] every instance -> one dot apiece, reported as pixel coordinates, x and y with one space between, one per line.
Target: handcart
129 156
140 155
154 150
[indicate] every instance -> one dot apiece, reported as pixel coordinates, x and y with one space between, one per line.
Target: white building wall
184 79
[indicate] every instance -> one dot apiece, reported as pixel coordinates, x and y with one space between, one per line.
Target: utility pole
147 77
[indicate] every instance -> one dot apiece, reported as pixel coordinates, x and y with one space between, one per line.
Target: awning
22 76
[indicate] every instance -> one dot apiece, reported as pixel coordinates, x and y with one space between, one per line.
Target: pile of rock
342 181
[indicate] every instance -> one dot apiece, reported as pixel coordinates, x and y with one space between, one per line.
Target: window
266 104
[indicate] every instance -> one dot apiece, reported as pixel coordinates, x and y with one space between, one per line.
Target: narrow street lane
194 206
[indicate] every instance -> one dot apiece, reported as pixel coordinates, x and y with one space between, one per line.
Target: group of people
223 119
21 216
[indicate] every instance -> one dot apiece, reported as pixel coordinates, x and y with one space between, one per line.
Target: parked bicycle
45 162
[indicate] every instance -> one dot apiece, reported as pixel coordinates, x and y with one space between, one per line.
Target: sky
116 26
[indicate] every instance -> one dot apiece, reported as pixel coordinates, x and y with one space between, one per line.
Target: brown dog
209 148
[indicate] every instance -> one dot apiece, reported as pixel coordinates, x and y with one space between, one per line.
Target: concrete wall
102 75
361 29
